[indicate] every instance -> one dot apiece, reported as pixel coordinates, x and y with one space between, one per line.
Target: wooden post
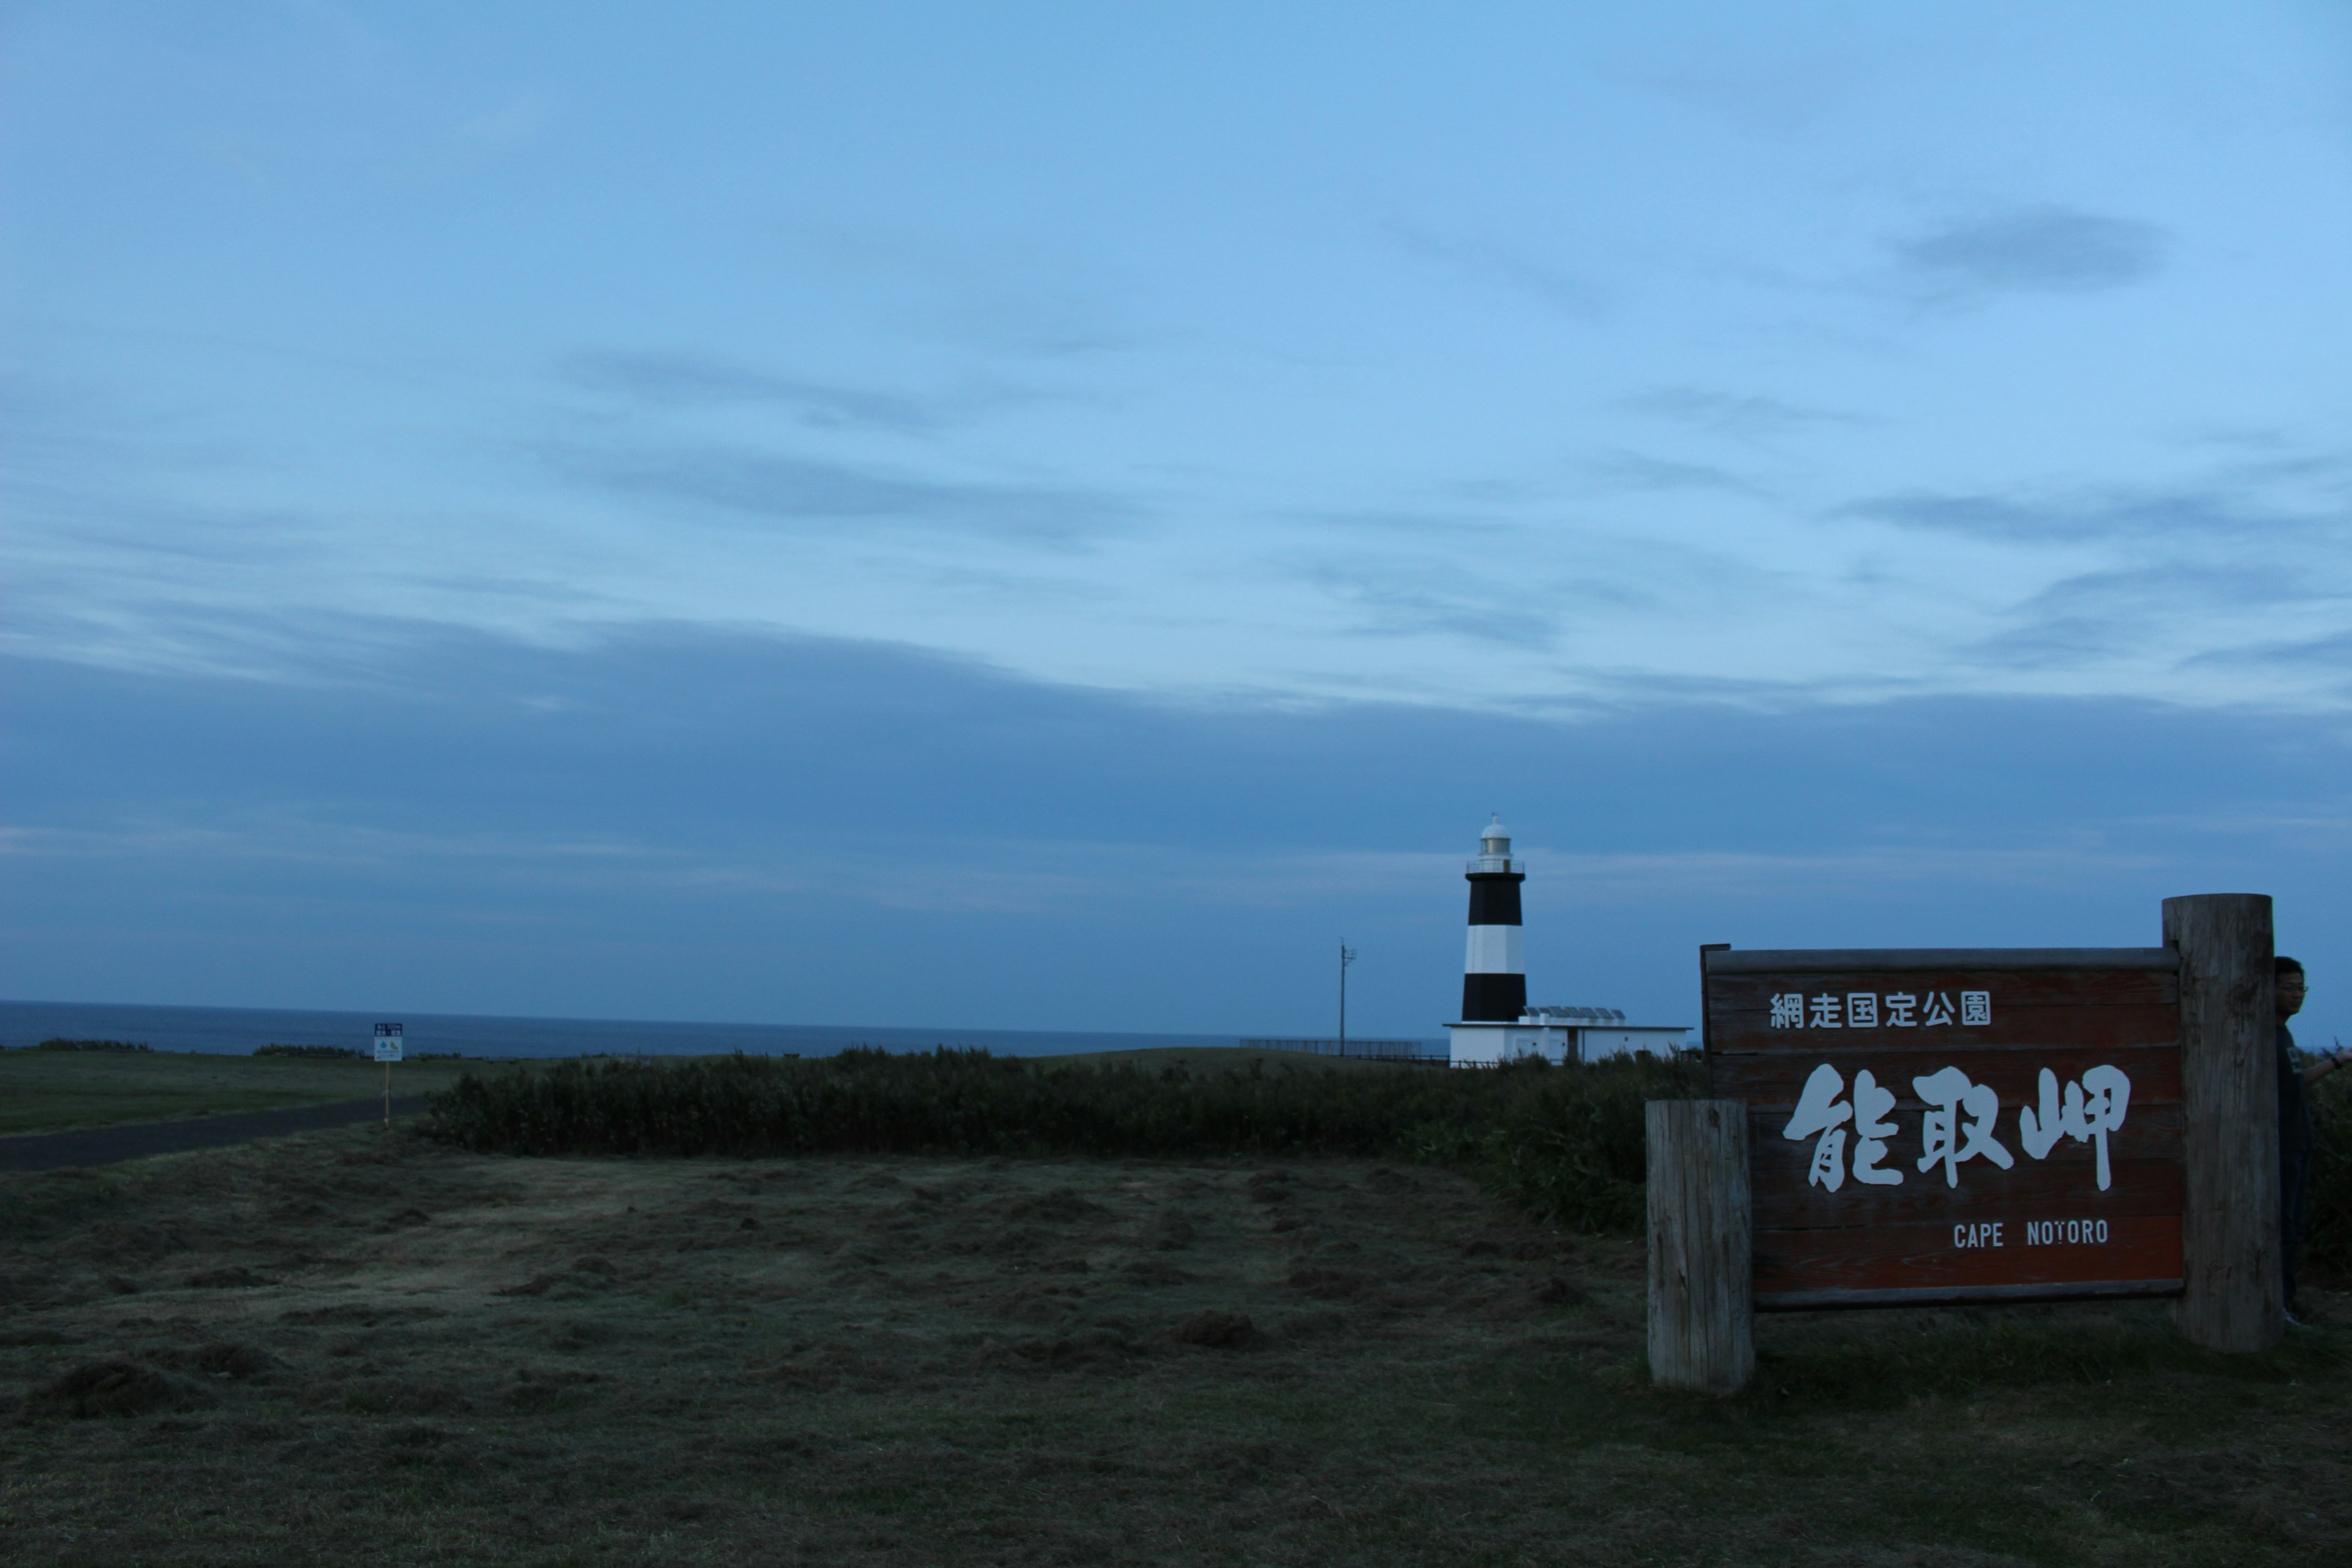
2233 1289
1702 1301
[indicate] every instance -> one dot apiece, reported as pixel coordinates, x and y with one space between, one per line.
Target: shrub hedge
1566 1142
2327 1242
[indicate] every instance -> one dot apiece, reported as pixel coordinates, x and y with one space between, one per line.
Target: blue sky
1054 516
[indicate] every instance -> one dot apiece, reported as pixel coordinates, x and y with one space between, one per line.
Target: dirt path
106 1145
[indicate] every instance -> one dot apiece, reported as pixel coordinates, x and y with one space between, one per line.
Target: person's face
2290 994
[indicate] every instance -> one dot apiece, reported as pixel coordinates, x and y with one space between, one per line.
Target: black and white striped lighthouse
1495 973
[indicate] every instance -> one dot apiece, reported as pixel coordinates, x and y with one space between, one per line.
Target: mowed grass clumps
1565 1143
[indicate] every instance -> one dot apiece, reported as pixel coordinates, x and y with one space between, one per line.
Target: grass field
56 1091
361 1348
52 1092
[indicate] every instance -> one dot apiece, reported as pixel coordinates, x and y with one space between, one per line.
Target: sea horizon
237 1031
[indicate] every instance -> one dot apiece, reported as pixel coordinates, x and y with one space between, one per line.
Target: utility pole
1347 957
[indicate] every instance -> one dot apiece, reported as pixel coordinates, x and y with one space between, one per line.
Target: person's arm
2328 1062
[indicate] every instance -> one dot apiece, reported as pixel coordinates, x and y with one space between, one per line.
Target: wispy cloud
2095 615
818 493
2185 514
1747 417
1414 523
689 380
2331 652
2031 251
1563 290
1397 595
1640 471
139 534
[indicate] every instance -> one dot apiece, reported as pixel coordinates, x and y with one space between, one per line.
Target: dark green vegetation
1565 1143
369 1348
315 1053
66 1045
46 1091
2329 1247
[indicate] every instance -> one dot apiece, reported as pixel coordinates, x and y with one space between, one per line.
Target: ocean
235 1031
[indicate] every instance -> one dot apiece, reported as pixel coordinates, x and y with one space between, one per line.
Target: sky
1056 517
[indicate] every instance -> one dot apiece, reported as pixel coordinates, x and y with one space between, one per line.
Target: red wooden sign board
1932 1125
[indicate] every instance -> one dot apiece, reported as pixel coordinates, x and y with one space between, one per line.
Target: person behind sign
2295 1120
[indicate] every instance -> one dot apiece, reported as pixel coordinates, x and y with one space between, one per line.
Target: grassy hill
54 1091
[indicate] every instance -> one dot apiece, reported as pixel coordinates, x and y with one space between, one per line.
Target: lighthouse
1495 970
1496 1024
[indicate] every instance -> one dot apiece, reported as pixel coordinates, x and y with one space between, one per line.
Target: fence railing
1431 1051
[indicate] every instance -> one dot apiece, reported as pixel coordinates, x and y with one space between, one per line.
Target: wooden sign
1931 1125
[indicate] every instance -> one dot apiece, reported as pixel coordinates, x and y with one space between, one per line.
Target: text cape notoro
1972 1125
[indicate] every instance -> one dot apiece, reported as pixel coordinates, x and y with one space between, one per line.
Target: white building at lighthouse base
1562 1034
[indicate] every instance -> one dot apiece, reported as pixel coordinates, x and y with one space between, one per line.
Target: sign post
1934 1125
389 1038
2233 1295
1928 1126
1701 1312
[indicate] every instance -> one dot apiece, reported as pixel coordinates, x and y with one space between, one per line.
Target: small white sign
388 1040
